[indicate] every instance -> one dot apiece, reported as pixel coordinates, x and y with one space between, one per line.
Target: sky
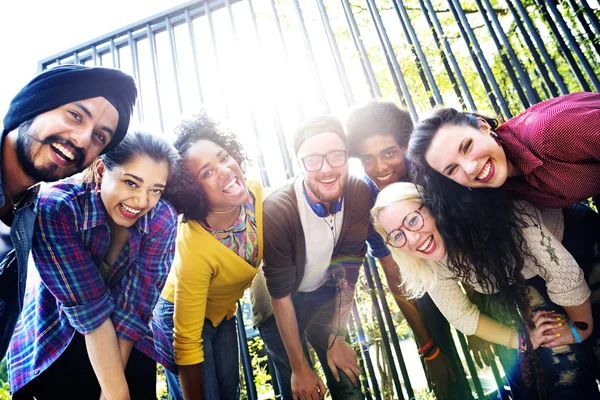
35 29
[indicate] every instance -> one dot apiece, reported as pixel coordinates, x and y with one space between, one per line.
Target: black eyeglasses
335 159
413 222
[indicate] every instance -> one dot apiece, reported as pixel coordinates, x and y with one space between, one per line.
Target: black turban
68 83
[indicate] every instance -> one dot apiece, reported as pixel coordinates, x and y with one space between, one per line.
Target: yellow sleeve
193 274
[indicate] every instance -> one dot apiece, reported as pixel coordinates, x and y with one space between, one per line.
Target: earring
470 190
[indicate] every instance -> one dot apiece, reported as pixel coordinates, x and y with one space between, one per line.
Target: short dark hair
442 116
185 193
376 118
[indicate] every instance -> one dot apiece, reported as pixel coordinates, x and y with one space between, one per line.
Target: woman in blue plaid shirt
102 247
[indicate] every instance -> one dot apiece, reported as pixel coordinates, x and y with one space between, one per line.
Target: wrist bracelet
426 346
522 345
575 333
433 356
428 352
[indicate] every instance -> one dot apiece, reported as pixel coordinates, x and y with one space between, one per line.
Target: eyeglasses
335 159
413 222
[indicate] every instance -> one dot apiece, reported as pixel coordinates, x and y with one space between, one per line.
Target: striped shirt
66 291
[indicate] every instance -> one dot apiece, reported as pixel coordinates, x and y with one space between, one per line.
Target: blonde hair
418 275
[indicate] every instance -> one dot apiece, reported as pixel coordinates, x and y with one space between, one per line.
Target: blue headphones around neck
321 209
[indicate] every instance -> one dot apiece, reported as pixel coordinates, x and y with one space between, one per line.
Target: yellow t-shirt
206 281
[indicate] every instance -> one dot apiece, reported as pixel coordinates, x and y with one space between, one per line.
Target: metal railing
266 64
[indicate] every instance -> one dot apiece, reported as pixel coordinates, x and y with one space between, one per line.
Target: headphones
321 209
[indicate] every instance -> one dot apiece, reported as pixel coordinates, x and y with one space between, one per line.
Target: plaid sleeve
136 294
377 247
66 267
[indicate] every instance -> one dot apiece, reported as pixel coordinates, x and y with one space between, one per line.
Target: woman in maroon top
548 155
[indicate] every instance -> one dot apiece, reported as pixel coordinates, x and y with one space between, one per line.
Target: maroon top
556 145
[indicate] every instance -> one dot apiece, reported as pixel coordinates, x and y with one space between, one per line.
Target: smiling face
326 184
129 191
65 140
468 156
425 243
382 159
218 174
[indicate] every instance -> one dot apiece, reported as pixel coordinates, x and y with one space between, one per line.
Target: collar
517 151
94 213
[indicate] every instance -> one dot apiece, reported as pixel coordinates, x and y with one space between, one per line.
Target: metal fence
264 65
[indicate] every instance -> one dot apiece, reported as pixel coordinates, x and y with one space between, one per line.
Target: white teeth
328 180
230 184
130 210
384 178
65 152
486 171
426 245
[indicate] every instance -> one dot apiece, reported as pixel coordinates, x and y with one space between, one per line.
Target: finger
350 375
356 371
322 388
444 388
452 374
477 357
539 314
486 357
334 370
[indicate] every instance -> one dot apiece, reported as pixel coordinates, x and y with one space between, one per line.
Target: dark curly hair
481 229
376 118
185 193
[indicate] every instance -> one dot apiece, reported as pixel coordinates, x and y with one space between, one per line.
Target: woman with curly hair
541 307
219 247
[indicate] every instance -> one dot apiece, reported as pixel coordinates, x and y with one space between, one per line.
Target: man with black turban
55 126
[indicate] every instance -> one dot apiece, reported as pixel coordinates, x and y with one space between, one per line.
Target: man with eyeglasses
314 233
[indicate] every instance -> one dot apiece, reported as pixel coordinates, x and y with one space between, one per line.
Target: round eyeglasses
413 222
335 159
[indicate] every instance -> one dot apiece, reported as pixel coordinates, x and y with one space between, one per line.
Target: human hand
341 355
439 371
562 333
482 350
306 384
544 322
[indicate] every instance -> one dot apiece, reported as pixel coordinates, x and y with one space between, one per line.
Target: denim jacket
13 268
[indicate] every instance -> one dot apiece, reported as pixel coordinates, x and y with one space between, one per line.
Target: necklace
546 240
224 212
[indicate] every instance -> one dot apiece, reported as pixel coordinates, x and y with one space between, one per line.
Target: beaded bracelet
426 346
575 333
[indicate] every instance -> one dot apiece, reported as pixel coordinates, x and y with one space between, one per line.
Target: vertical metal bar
95 56
591 16
76 59
574 45
174 60
471 40
136 73
532 96
391 58
579 12
383 332
352 332
58 61
566 52
113 54
496 373
274 381
364 56
246 360
154 57
208 13
532 49
390 326
333 47
365 350
283 148
413 41
548 60
190 25
311 57
471 366
432 18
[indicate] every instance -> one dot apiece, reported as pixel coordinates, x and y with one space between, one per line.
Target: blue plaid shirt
376 244
66 291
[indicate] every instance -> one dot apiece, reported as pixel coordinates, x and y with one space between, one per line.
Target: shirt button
65 344
36 372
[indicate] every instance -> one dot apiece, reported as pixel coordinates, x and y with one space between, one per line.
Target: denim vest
13 268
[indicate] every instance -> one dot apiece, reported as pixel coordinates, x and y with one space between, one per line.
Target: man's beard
322 196
45 173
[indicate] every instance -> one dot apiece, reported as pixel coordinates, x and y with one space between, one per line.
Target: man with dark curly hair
315 229
55 127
